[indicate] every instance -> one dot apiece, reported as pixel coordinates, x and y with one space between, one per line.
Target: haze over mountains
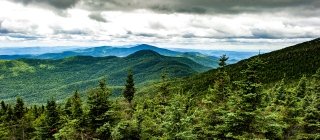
204 57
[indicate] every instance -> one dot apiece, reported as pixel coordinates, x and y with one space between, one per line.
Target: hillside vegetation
291 62
236 110
38 80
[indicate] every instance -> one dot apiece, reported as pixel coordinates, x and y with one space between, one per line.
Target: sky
193 24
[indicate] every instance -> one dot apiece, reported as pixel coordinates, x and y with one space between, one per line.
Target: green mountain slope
117 51
38 80
202 59
293 62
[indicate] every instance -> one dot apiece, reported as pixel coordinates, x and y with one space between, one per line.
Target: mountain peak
145 46
144 53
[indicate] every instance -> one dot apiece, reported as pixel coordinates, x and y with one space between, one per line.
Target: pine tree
9 114
290 116
36 112
221 88
3 108
51 119
311 119
99 105
19 109
129 90
76 108
67 107
302 87
311 125
280 95
223 60
239 123
164 85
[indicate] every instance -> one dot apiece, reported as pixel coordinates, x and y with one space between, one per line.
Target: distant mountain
34 50
37 80
293 62
120 52
234 56
210 61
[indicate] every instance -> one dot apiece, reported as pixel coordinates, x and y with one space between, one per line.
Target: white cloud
36 26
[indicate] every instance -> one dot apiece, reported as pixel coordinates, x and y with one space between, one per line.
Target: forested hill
291 62
38 80
103 51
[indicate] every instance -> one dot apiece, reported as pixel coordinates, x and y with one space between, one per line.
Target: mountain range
206 58
37 80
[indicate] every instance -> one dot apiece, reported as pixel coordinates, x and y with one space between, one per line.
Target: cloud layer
206 24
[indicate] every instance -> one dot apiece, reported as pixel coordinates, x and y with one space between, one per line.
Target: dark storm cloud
203 6
18 35
59 4
97 17
187 6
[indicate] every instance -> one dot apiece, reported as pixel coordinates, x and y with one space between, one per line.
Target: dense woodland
228 109
33 78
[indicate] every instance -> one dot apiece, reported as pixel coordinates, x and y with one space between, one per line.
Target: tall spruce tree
76 107
164 85
302 87
67 107
280 94
239 123
3 109
99 105
311 119
51 119
129 90
223 60
19 109
221 87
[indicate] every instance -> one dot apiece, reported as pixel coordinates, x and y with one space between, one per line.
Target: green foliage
302 87
59 78
229 109
294 61
223 60
129 90
99 105
19 109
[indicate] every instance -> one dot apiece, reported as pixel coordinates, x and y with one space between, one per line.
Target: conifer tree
129 90
316 81
290 116
223 60
3 108
9 114
99 105
164 85
302 87
280 95
67 107
311 118
77 111
19 109
51 119
239 122
36 112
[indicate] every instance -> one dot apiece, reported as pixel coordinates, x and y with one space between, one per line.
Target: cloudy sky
198 24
